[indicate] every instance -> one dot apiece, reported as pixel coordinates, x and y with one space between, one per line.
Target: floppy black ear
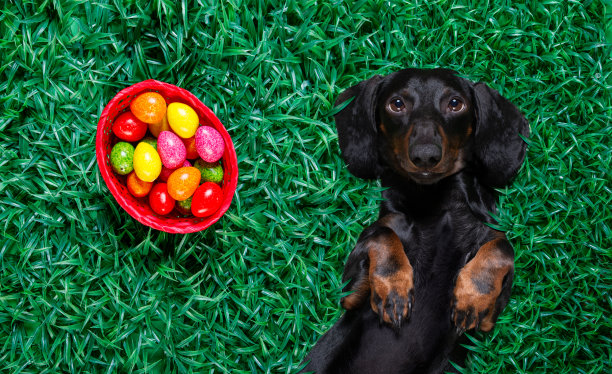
498 149
357 129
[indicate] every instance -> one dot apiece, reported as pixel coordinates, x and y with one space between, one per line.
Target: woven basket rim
184 225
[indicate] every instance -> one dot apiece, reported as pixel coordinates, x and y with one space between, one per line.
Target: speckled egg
122 158
171 149
149 107
209 143
150 140
184 207
147 163
183 119
211 171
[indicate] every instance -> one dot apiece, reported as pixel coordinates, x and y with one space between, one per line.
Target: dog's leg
379 268
483 286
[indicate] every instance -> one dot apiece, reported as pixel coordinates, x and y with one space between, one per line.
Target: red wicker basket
139 207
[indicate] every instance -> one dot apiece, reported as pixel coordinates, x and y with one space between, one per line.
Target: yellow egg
183 120
147 163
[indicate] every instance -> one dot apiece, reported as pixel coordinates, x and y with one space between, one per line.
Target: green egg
150 140
183 207
122 158
211 171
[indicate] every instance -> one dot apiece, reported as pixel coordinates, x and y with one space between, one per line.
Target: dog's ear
498 149
357 129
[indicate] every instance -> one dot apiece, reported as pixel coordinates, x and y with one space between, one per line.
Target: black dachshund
431 267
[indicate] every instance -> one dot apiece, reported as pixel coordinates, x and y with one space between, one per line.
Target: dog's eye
396 104
455 105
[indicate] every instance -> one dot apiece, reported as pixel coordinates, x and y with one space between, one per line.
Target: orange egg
183 182
149 107
137 186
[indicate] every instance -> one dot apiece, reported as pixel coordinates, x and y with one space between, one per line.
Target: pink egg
209 143
165 173
171 150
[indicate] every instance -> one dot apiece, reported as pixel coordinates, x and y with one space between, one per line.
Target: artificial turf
86 288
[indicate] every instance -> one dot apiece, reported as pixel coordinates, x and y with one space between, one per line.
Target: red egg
206 199
160 200
190 146
129 128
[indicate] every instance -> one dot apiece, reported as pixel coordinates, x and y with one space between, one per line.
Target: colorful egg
147 163
122 158
206 199
165 173
158 127
160 200
183 119
183 183
190 146
209 143
149 107
184 207
129 128
211 171
138 187
171 149
151 141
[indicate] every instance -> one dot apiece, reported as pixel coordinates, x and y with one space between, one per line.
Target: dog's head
428 124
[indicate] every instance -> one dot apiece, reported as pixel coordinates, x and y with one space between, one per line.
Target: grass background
85 288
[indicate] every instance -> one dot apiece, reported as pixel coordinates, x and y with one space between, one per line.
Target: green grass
86 288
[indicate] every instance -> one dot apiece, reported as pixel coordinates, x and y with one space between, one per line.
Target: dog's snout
425 145
425 155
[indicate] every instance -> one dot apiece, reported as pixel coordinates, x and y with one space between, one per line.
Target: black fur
441 219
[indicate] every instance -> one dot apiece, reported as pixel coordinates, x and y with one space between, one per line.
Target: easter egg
171 150
129 128
160 200
211 171
147 163
122 158
151 141
183 183
183 119
166 172
190 147
209 143
206 199
149 107
138 187
158 127
184 207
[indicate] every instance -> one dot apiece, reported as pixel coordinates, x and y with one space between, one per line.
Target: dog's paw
392 296
473 303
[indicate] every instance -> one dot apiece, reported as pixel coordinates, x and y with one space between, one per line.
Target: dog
432 266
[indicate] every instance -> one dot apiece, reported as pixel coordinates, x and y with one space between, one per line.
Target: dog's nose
425 155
